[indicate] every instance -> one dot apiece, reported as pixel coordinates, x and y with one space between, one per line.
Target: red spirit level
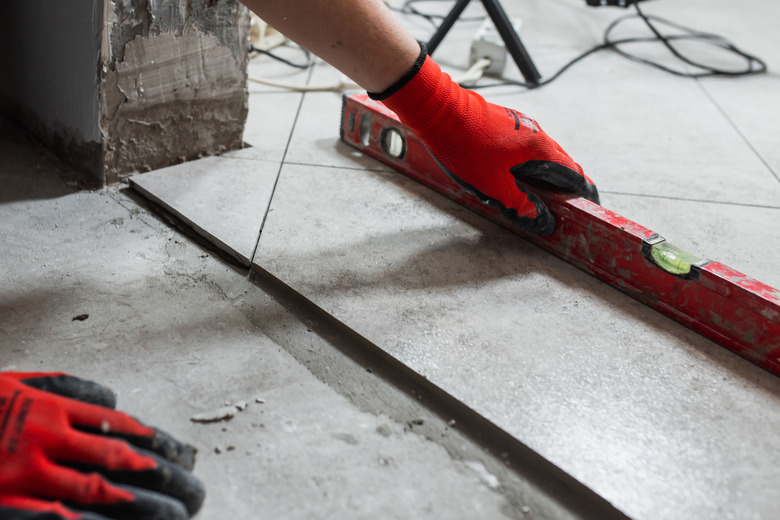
730 308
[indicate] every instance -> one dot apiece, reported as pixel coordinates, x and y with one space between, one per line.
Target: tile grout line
737 129
686 199
278 174
341 167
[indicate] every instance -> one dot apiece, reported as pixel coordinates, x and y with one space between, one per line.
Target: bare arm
361 38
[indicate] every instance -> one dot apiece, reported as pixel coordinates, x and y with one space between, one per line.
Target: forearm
361 38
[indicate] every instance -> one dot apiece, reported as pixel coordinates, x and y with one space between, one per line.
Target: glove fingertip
173 450
557 175
74 388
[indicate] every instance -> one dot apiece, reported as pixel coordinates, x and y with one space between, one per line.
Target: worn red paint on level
729 307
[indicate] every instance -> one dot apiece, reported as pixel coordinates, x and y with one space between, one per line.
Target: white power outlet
487 43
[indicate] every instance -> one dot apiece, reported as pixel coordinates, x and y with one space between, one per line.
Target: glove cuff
401 83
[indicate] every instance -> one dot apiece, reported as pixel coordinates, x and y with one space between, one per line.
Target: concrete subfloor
658 421
174 330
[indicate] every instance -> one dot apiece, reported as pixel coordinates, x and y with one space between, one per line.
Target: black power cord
753 64
309 58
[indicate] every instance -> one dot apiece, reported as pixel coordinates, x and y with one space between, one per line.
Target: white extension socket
263 36
487 43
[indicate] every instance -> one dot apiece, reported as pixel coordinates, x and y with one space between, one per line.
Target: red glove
62 458
483 147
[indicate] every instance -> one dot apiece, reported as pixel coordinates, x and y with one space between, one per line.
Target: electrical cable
753 64
336 87
309 58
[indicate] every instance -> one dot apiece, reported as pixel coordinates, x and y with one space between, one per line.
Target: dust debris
220 414
384 430
485 476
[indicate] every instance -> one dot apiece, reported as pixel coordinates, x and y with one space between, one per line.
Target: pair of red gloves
65 453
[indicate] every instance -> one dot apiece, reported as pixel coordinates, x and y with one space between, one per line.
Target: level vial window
672 259
393 143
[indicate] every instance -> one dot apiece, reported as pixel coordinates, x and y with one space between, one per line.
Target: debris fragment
485 476
259 400
220 414
217 450
80 317
241 406
231 448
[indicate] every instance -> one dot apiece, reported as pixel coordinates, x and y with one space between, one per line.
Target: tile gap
341 167
686 199
737 129
281 166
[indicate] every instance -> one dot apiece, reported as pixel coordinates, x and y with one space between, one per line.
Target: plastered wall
173 81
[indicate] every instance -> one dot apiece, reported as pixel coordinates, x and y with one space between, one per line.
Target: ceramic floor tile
750 25
269 123
656 419
753 105
223 198
316 140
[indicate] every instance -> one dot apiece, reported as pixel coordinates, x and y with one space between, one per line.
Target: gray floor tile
659 421
315 139
222 198
269 123
753 105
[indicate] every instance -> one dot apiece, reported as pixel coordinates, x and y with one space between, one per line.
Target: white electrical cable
471 76
336 87
475 72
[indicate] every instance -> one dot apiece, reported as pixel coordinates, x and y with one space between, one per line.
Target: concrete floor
176 331
658 421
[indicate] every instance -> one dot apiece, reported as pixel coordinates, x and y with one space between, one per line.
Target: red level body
730 308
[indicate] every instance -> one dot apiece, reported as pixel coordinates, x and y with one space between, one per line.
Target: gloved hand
484 147
65 454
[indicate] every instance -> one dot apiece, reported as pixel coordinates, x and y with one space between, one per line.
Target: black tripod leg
446 25
512 41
